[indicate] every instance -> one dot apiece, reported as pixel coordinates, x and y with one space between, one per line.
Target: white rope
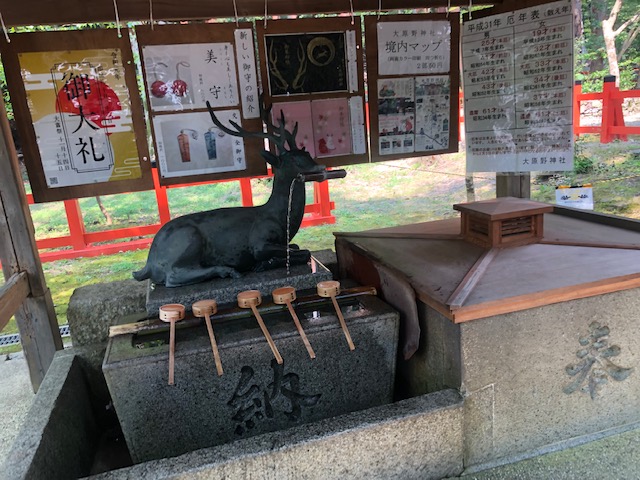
115 7
470 5
235 10
379 8
265 14
448 7
4 29
151 14
351 7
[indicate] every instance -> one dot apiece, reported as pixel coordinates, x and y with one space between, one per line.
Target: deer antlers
278 135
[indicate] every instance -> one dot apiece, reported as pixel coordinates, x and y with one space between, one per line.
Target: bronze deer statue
228 241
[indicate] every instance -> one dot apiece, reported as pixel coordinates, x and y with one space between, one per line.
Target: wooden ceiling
62 12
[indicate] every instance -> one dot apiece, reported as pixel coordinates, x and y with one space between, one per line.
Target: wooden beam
52 12
36 316
12 294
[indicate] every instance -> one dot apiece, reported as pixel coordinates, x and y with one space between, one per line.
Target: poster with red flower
81 113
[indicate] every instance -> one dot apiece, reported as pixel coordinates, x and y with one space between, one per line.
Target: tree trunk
577 19
598 11
105 212
610 40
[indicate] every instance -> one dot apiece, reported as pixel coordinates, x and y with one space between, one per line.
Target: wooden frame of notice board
189 148
415 113
78 113
312 71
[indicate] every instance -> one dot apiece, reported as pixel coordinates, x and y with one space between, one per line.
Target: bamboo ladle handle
284 296
206 308
172 313
249 299
330 289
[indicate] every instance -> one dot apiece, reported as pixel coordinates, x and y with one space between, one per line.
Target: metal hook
4 29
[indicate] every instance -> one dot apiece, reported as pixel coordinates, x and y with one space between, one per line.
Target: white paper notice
245 54
518 90
352 62
417 47
358 137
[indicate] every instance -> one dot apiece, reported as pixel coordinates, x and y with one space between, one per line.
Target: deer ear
274 160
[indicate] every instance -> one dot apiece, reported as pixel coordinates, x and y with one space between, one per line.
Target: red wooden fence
84 244
612 122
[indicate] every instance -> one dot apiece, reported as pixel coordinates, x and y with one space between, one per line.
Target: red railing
84 244
612 121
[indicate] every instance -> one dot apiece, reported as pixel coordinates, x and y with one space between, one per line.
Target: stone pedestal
225 290
254 395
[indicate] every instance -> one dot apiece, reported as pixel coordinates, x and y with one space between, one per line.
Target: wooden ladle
206 308
284 296
330 289
172 313
250 299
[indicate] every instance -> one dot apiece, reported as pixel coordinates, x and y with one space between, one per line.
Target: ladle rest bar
321 176
232 313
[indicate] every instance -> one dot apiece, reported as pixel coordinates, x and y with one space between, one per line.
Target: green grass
372 196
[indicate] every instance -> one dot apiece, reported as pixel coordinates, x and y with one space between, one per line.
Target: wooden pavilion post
25 293
513 185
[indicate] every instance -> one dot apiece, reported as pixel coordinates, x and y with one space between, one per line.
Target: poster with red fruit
81 114
186 76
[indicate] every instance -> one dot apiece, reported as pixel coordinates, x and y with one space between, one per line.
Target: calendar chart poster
518 84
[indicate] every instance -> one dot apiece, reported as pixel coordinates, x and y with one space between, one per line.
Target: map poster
415 47
81 114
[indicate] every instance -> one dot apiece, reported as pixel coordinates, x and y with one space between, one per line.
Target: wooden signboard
413 78
184 67
78 113
312 72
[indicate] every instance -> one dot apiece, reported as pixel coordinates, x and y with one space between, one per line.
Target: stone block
93 308
59 436
255 395
225 290
546 375
418 438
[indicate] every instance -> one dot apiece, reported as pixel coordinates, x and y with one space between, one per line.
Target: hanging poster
518 90
81 114
300 63
331 127
189 144
433 98
396 115
414 47
186 76
296 113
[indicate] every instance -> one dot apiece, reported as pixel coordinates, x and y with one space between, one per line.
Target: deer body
228 241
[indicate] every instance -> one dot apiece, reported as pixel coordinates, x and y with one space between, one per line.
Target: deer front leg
275 256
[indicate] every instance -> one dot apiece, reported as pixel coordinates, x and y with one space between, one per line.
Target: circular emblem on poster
321 51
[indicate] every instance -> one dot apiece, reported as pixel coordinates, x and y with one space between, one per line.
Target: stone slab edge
58 438
416 438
